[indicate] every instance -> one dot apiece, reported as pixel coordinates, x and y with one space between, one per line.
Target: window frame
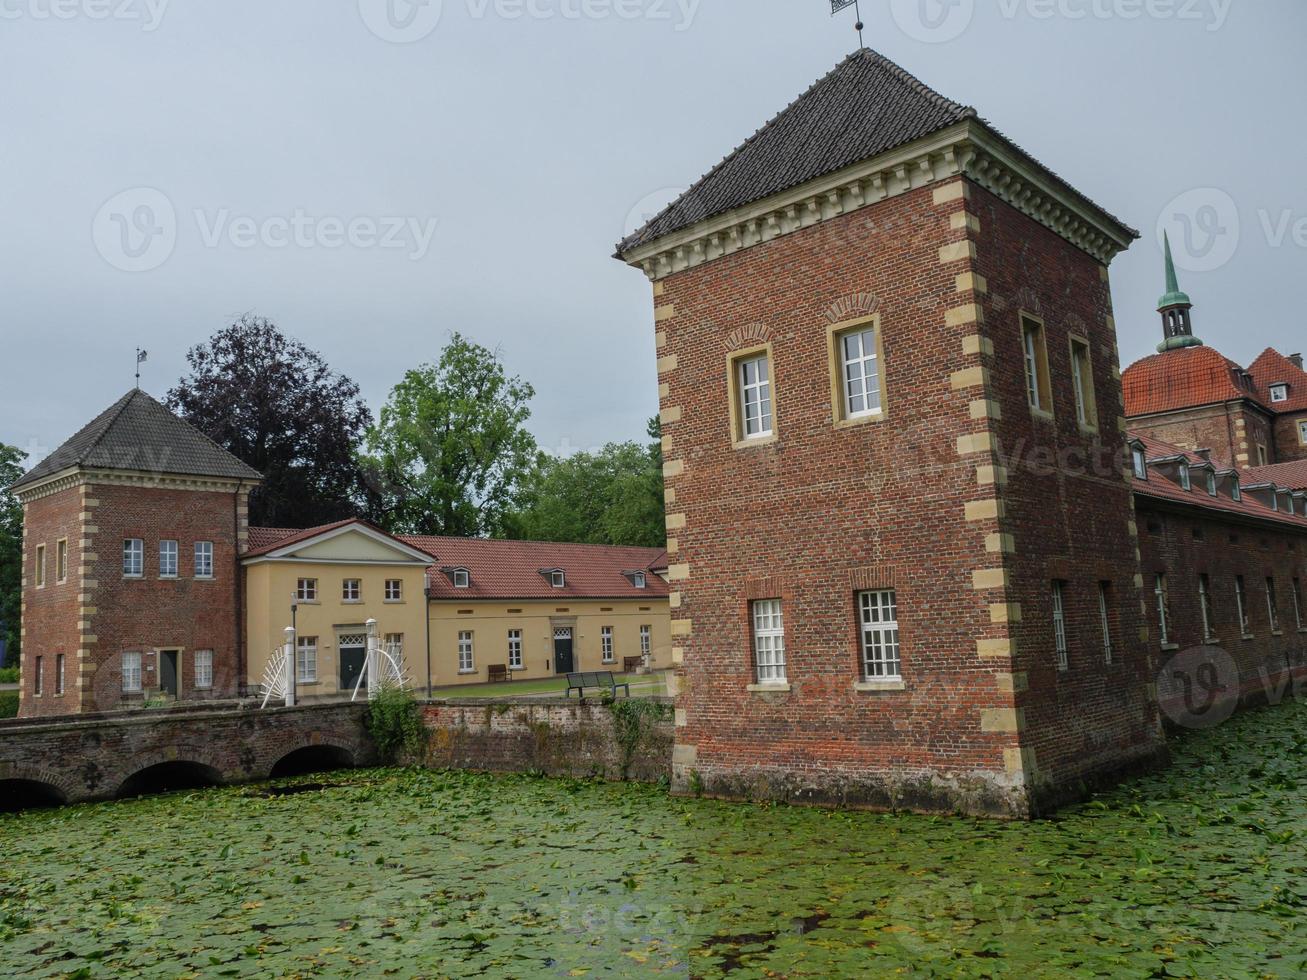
203 671
842 414
1162 593
1139 463
1263 455
1082 382
59 660
515 649
768 640
606 649
1207 607
558 578
646 642
1302 432
39 571
886 653
639 580
735 362
306 660
1061 644
1241 598
351 590
134 549
128 671
175 556
1273 605
38 676
393 644
202 554
462 578
1213 485
61 561
306 590
1105 619
467 643
1186 481
1296 587
395 594
1039 383
1282 390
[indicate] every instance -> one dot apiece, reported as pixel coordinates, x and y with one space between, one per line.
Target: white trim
286 551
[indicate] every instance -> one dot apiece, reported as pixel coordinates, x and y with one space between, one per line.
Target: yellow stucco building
455 610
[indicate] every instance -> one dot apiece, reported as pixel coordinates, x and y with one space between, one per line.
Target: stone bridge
102 757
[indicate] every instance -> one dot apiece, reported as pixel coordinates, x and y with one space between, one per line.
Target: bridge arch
22 788
319 755
161 774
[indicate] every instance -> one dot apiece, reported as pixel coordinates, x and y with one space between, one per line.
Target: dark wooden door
168 672
563 659
351 665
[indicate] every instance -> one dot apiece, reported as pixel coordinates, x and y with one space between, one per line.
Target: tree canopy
451 448
11 550
275 404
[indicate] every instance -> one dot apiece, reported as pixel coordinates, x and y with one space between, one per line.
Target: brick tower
130 583
904 552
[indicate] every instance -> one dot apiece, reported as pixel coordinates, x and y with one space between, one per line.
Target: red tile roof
1160 487
1272 367
1292 476
511 569
1183 378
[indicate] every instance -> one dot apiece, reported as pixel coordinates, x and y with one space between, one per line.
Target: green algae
1197 872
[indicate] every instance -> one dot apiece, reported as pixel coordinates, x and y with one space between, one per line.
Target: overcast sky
166 166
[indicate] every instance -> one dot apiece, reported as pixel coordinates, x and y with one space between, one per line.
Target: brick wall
51 614
1288 443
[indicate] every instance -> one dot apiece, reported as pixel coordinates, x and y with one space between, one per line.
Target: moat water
1200 871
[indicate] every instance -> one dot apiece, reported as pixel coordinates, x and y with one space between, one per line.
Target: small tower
1177 327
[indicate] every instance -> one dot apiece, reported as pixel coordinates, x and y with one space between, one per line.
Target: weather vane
837 5
141 357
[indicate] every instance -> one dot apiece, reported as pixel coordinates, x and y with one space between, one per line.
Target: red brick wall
1231 431
1067 506
151 613
50 614
1288 445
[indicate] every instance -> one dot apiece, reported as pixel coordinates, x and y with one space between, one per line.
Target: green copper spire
1177 327
1173 295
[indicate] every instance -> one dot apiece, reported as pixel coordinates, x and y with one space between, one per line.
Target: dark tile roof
138 433
865 106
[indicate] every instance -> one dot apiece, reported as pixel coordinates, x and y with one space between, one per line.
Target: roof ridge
922 88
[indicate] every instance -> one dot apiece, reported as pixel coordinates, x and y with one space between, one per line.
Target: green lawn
649 685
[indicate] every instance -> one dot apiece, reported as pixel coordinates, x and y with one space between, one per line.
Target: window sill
769 688
849 421
608 663
1277 632
126 578
1302 629
1248 636
1087 430
878 686
393 602
1169 647
755 443
1040 415
307 602
513 670
205 578
351 602
466 673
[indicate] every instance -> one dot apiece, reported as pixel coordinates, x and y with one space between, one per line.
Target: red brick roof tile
1292 476
1185 378
1272 367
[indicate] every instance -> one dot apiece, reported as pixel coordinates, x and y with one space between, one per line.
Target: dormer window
461 578
1140 463
1185 482
1236 492
1211 484
556 578
1279 393
638 580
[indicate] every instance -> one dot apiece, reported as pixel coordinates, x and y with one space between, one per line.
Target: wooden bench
631 664
597 680
499 673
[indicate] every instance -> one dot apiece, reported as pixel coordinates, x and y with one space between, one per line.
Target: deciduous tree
11 551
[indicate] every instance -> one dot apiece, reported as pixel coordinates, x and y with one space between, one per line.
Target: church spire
1177 326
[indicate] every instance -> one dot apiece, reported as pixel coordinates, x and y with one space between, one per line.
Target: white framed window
58 673
61 561
639 580
1105 618
1205 605
1139 462
1211 483
1035 353
515 649
1059 626
1297 602
306 660
1279 393
646 642
133 557
203 669
394 590
1185 482
606 643
131 672
879 613
1082 383
167 559
1263 458
204 559
1302 432
1236 491
755 397
306 590
40 566
466 662
1272 605
394 645
769 641
351 590
1241 598
1163 608
557 579
461 578
860 372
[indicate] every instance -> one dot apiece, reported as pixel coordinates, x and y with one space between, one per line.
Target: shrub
8 704
634 719
8 675
395 723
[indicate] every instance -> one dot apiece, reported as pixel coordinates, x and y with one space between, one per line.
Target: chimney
1204 454
1296 360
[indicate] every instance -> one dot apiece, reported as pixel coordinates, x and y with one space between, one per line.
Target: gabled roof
866 106
1272 367
511 569
1185 378
271 541
137 433
1292 476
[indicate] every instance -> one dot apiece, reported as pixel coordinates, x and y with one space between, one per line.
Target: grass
641 686
1196 872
